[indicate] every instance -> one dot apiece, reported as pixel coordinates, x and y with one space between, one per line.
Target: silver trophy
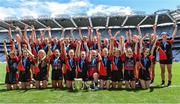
78 83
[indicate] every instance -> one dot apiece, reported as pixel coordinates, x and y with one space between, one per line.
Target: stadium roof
161 17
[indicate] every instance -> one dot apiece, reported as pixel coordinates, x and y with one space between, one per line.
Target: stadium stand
164 22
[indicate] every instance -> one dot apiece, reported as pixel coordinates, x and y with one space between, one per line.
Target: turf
155 94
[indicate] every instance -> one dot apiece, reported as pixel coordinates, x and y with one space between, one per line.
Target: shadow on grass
151 89
155 87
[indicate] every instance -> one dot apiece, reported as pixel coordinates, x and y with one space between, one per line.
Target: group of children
105 64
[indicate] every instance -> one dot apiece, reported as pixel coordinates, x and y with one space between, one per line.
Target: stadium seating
116 23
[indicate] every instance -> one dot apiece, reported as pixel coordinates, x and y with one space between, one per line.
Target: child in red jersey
146 59
11 68
41 68
93 68
82 64
105 69
117 65
57 62
71 65
104 64
24 69
129 67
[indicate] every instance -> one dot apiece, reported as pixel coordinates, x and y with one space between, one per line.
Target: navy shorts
104 77
117 75
56 75
129 75
24 76
83 75
41 76
144 74
10 78
70 75
168 61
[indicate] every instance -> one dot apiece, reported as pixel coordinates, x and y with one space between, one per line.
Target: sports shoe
163 83
169 83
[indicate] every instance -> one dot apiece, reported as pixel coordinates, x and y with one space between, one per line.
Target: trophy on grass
78 83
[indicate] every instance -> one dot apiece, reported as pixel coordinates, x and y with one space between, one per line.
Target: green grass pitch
153 95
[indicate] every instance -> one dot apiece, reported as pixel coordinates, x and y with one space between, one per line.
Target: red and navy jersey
45 47
118 61
38 47
71 45
12 64
129 44
150 45
26 62
116 43
82 64
146 62
56 62
129 63
166 46
93 46
83 47
71 63
15 45
33 49
93 63
104 46
107 64
55 46
43 66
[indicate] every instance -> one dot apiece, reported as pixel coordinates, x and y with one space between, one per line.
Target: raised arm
5 48
127 37
49 50
90 34
72 35
33 33
118 32
154 45
49 33
80 33
141 42
42 35
136 47
10 34
99 40
111 46
25 33
87 48
63 50
121 43
19 31
62 34
154 29
28 45
29 52
110 33
90 56
144 37
19 44
175 30
130 35
139 30
77 52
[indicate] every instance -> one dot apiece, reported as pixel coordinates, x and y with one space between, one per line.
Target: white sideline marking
173 86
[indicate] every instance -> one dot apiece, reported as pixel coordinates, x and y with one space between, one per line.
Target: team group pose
108 63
